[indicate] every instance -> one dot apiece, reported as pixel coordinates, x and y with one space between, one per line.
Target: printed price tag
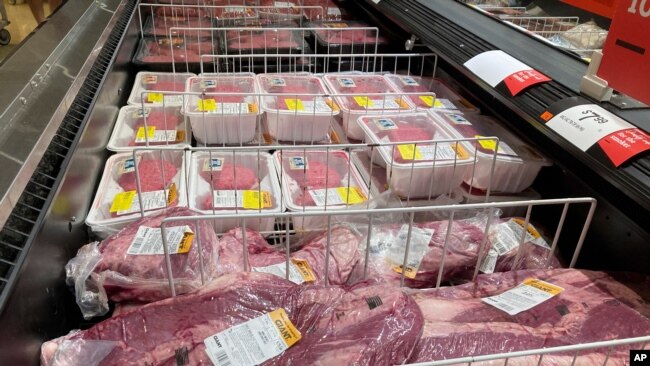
248 199
155 97
299 271
338 196
122 201
444 151
527 295
253 342
505 237
492 145
418 246
139 135
148 241
159 136
151 200
256 200
365 102
207 105
294 104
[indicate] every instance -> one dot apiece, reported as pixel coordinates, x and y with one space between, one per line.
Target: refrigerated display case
47 202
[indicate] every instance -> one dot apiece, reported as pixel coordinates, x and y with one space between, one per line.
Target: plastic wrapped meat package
462 251
159 88
161 26
232 14
323 325
292 116
326 10
354 106
160 52
117 203
241 182
130 265
516 165
228 113
151 126
307 264
342 37
263 41
318 180
418 170
280 10
585 306
446 99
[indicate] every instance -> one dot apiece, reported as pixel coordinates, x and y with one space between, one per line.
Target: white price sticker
158 136
151 201
169 100
253 342
418 247
490 262
148 240
299 271
527 295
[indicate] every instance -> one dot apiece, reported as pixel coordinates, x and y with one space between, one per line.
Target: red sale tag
521 80
622 145
626 55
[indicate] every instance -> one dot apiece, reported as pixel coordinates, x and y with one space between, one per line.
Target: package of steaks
347 37
130 266
229 183
158 88
160 184
183 50
149 126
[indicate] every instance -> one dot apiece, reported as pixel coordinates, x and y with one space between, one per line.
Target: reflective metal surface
38 84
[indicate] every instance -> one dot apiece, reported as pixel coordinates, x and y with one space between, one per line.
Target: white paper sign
494 66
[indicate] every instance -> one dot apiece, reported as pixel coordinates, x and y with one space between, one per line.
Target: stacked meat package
231 230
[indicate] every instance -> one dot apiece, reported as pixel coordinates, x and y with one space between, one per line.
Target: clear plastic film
363 324
590 307
130 265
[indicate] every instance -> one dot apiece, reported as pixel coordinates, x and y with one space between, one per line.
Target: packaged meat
151 126
228 113
357 102
422 170
230 15
307 264
329 325
318 180
241 182
446 99
182 12
157 88
303 114
185 51
281 10
347 37
474 195
326 10
516 165
581 307
117 203
130 265
160 26
263 41
426 247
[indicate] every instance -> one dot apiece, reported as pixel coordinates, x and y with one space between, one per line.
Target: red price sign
626 56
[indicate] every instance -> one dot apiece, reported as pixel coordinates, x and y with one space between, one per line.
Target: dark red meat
360 325
151 176
180 11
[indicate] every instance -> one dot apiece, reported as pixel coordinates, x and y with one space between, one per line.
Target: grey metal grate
26 218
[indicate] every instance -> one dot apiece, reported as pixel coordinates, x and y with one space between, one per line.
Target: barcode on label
137 244
500 248
223 359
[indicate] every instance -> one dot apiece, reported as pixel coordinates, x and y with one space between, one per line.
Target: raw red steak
105 271
344 253
231 177
151 176
179 12
359 325
592 307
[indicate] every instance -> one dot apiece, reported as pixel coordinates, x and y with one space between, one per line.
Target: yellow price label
305 269
352 195
290 335
364 101
409 273
151 131
294 104
122 201
486 144
155 97
254 201
172 194
427 99
460 151
409 152
543 286
207 105
186 242
531 230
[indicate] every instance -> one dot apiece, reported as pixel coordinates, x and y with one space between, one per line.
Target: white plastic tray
202 199
413 171
298 118
159 82
100 220
166 127
353 107
290 166
228 119
517 164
